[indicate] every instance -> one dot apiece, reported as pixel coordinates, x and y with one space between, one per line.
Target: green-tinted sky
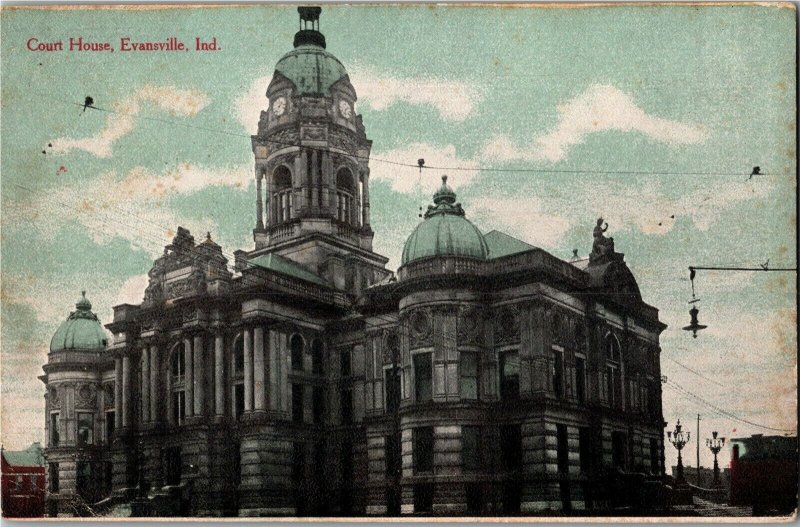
670 93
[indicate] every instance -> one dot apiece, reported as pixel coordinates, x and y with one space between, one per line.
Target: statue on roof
603 246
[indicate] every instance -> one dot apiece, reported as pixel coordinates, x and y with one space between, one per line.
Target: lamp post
715 444
679 438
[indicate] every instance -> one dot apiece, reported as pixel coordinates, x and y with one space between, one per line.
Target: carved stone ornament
470 327
86 396
507 325
313 133
420 328
55 402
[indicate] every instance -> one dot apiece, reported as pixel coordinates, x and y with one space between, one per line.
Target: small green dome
81 331
311 69
445 231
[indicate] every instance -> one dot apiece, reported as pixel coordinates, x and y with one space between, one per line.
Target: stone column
327 169
145 393
365 183
285 365
126 391
259 389
219 375
188 378
305 179
155 393
118 392
259 201
314 178
274 371
248 371
198 354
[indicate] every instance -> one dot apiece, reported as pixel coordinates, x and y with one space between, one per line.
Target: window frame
423 436
416 359
514 394
463 377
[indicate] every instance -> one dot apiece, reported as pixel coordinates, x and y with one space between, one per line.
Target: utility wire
721 411
413 165
696 372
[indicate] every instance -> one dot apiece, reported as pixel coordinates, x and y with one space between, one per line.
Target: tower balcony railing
347 231
283 231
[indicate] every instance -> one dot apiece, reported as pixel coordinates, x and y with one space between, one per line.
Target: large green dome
445 231
81 331
311 69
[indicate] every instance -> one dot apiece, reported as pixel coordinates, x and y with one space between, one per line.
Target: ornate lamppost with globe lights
715 444
679 438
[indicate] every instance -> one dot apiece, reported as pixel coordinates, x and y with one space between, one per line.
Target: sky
652 117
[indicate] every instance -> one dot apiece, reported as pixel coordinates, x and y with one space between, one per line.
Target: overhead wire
415 165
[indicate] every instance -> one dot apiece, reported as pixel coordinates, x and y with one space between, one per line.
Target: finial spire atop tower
309 33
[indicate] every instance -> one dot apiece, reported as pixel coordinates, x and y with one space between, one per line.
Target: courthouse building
486 376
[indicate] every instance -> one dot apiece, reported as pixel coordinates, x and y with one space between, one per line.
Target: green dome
81 331
311 69
445 231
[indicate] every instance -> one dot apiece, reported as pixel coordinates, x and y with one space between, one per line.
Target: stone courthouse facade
485 377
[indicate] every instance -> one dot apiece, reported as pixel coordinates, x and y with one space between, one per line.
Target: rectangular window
174 465
238 400
580 379
471 447
393 456
469 375
474 498
511 447
319 404
511 498
54 436
610 378
346 407
54 483
585 446
618 450
297 403
85 428
423 449
392 379
509 375
179 407
423 497
344 363
110 426
562 449
423 377
558 374
655 458
298 462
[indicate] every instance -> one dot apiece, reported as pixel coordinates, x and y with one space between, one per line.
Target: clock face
279 106
345 109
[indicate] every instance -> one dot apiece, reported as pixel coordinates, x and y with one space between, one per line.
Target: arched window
178 361
613 370
344 194
296 345
282 193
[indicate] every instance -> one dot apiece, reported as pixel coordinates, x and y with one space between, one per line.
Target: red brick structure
23 483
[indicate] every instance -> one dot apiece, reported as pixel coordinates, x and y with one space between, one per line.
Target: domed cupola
309 67
445 231
81 331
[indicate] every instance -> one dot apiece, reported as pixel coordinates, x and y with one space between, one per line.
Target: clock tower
312 167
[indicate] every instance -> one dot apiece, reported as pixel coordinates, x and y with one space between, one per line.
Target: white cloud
409 179
601 108
523 217
454 100
174 100
248 106
132 291
134 207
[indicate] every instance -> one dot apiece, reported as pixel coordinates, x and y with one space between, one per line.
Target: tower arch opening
282 193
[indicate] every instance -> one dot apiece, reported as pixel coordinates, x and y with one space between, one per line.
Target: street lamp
679 438
715 444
